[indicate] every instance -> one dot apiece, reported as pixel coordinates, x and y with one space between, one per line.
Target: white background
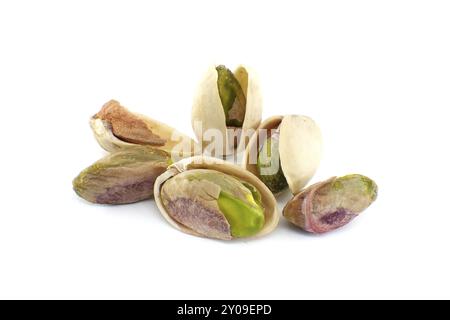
374 74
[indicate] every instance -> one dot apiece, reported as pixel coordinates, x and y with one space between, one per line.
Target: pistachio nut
331 204
211 198
227 107
284 152
117 128
124 176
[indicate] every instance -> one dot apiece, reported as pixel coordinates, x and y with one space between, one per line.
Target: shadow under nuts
122 177
331 204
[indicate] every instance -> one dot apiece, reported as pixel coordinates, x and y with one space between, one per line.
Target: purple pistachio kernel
331 204
122 177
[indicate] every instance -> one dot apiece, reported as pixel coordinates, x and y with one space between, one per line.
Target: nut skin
128 126
117 128
331 204
122 177
213 204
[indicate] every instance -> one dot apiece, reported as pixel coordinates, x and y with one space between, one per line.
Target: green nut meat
269 165
122 177
232 97
331 204
213 204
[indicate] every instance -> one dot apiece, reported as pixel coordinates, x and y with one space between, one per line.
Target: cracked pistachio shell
208 197
117 128
124 176
219 105
331 204
299 150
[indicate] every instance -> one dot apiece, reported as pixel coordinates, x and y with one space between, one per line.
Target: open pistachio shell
299 143
209 120
331 204
208 197
117 128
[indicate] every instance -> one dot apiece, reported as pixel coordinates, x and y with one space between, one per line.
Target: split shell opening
218 110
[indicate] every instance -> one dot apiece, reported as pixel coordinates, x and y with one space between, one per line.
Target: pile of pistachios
197 190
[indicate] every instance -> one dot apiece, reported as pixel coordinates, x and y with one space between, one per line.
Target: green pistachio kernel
269 165
232 97
245 220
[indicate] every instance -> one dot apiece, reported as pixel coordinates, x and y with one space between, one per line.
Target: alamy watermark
235 145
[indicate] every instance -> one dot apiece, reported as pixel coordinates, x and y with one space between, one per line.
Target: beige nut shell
300 148
207 108
201 162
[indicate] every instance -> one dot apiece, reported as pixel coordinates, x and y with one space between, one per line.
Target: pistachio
227 105
127 126
331 204
224 206
117 128
125 176
290 153
215 200
269 165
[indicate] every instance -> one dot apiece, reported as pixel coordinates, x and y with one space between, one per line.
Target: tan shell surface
208 115
300 150
201 162
176 142
254 107
207 112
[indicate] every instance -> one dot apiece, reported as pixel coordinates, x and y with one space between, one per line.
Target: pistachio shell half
117 128
331 204
285 151
124 176
227 107
211 198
